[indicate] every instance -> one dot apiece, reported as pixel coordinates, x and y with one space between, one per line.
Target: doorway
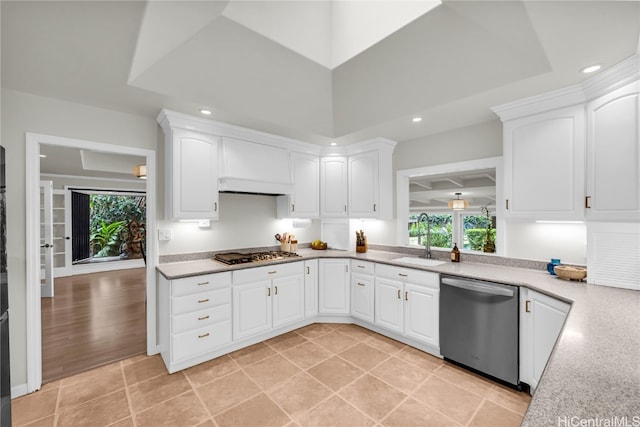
34 145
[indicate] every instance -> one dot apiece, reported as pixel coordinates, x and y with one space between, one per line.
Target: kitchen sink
425 262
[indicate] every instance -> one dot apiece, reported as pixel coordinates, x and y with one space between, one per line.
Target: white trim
34 332
402 193
91 178
18 390
98 267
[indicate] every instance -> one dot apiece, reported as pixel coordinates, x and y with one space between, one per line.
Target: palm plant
106 239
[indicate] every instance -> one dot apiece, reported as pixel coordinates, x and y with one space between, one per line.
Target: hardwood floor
93 320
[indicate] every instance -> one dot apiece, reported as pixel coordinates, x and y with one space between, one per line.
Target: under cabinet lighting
559 222
205 111
333 144
416 119
591 68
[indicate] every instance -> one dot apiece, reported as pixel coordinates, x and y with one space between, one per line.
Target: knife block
362 248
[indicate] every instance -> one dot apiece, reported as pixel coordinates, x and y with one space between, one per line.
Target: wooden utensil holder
362 248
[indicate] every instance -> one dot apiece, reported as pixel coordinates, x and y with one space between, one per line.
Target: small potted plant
489 244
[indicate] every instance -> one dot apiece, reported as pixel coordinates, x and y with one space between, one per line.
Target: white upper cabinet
613 155
333 187
544 165
192 182
305 200
363 185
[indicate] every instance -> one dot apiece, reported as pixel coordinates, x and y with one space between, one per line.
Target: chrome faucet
427 252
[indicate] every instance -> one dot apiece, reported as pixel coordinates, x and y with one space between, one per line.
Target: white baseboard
18 390
98 267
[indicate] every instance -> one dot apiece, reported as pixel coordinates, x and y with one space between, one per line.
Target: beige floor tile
386 344
412 413
226 392
91 387
357 332
335 412
257 411
286 341
43 422
270 372
494 415
315 330
127 422
307 354
372 396
335 373
102 411
449 399
400 374
144 369
420 358
517 401
34 406
50 386
208 371
181 411
149 393
335 341
133 359
252 354
207 423
299 394
465 379
81 377
364 356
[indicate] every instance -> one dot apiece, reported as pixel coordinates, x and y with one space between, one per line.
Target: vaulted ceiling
448 64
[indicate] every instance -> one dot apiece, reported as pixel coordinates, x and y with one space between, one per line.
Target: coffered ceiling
448 64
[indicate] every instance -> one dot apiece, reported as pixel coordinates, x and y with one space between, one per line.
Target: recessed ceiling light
43 155
333 143
591 68
416 119
205 111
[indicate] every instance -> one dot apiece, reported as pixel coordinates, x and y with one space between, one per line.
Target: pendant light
140 171
458 204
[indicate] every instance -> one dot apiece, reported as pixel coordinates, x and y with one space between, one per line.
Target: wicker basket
568 272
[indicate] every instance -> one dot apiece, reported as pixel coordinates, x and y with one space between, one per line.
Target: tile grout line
206 408
129 402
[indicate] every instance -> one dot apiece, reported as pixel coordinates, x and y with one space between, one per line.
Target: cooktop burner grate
232 258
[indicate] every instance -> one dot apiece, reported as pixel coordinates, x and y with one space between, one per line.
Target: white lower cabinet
333 286
195 317
311 288
541 320
407 302
362 290
267 297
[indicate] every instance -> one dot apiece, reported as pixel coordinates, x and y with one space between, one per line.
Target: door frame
34 327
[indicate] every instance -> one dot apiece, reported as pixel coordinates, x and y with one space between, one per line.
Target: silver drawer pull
272 272
200 301
360 266
360 284
203 317
203 283
204 335
402 275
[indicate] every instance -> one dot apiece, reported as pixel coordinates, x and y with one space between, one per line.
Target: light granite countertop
593 373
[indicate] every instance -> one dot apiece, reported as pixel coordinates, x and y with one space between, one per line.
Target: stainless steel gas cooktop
231 258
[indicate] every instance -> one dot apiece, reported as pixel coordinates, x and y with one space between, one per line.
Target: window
441 227
474 231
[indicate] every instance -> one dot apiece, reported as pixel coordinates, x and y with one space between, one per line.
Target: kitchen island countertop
593 373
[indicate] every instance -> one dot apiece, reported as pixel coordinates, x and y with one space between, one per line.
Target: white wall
29 113
541 242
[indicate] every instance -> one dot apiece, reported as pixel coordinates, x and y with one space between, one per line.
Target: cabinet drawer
195 284
417 277
199 319
192 343
200 301
364 267
257 274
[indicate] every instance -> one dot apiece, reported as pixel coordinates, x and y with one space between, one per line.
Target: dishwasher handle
472 285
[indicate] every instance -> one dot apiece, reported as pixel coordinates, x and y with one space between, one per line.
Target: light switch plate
164 234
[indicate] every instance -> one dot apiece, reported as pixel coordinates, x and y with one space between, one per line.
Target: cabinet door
251 309
192 191
544 165
542 318
362 293
306 186
333 187
288 300
363 185
421 313
311 288
613 155
334 286
388 304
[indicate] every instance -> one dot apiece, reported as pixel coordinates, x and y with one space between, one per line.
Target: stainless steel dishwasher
479 326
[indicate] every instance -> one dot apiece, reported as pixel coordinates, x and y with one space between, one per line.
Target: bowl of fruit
319 245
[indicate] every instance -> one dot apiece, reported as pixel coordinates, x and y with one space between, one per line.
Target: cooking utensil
278 237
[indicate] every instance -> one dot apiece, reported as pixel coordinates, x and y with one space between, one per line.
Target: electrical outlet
164 234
